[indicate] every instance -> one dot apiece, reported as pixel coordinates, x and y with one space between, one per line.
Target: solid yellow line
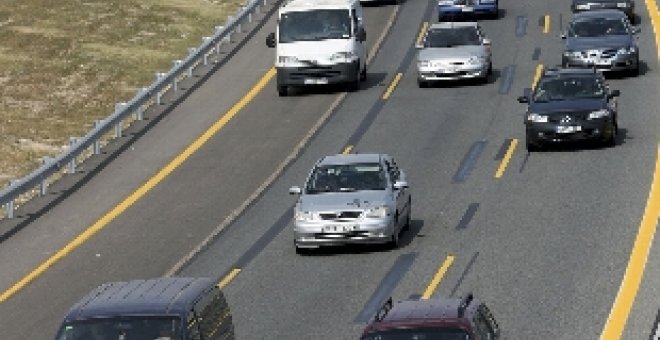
142 190
225 280
546 25
347 149
632 278
507 157
394 83
425 25
438 277
654 14
537 75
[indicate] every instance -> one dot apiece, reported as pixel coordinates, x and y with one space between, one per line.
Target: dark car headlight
599 114
627 50
537 118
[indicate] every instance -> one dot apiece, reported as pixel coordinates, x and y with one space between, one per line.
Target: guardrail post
72 162
205 41
218 29
9 206
97 142
159 78
265 2
249 15
175 82
139 114
43 187
191 51
118 108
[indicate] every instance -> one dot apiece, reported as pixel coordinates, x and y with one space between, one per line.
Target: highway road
546 244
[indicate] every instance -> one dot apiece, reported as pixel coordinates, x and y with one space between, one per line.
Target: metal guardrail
136 106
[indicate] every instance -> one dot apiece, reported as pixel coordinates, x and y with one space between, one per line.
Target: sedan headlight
475 60
622 4
346 56
537 118
599 114
378 212
285 59
424 63
487 1
445 2
572 54
304 215
627 50
582 6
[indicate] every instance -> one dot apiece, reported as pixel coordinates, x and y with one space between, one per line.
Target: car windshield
347 177
313 25
562 88
118 328
597 27
450 37
420 334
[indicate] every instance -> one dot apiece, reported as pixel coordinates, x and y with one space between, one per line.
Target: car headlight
572 54
445 2
487 1
424 63
537 118
627 50
378 212
622 4
285 59
599 114
304 215
347 56
582 6
475 60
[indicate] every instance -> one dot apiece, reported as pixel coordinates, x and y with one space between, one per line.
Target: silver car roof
446 25
342 159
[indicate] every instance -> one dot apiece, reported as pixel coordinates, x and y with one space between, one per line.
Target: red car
438 319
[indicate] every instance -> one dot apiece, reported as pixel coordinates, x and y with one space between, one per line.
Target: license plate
338 228
569 129
316 81
447 70
467 9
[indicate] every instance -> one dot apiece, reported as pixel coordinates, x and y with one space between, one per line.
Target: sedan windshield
450 37
597 27
315 25
420 334
563 88
347 177
139 327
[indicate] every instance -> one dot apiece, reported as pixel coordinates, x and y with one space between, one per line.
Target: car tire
282 90
355 84
363 74
490 68
611 140
422 84
395 241
301 251
635 72
408 216
531 144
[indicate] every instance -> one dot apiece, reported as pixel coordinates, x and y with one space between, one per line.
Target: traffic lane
275 268
132 167
182 196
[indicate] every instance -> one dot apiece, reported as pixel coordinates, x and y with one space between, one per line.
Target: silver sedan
353 198
452 51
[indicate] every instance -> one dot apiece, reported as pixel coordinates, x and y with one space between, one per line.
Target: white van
319 42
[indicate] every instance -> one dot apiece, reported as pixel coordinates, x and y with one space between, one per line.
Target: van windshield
122 328
313 25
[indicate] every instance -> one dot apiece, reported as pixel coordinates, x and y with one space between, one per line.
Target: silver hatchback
352 198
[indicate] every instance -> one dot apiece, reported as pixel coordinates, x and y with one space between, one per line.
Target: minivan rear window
122 328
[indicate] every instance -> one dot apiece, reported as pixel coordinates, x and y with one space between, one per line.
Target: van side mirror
361 34
614 93
400 185
563 35
419 46
636 29
523 99
486 42
295 190
270 40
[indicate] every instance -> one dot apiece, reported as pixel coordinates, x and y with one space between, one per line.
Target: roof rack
384 309
465 302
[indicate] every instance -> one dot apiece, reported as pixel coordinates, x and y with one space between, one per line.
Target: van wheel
355 84
363 74
282 90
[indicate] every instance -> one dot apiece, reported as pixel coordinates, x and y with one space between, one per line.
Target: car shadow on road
580 146
405 239
373 79
444 84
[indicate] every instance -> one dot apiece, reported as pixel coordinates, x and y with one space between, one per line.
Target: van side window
354 16
214 317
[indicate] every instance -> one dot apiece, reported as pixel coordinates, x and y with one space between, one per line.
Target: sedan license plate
569 129
316 81
338 228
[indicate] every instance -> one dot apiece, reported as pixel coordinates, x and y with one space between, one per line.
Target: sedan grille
569 117
341 215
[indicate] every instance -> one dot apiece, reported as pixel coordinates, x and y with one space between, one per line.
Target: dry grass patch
64 64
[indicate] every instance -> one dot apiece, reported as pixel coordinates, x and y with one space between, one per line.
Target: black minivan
173 308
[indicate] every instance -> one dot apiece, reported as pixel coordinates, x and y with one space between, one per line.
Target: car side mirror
523 99
563 35
295 190
486 42
270 40
400 185
636 29
419 46
614 93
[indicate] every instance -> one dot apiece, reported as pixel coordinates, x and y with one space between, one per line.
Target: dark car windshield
419 334
562 88
138 327
347 177
450 37
597 27
318 24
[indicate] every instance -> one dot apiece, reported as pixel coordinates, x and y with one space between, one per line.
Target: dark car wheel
409 216
531 144
301 251
394 240
282 90
611 140
422 84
